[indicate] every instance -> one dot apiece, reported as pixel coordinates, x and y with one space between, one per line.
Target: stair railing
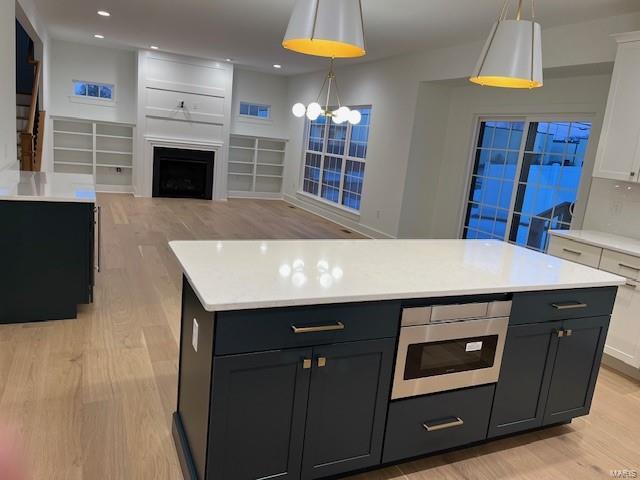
31 159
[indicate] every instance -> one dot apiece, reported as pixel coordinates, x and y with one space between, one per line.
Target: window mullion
323 156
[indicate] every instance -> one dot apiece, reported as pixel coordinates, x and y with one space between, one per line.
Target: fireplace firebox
182 173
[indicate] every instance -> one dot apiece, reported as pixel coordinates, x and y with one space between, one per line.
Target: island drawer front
536 307
422 425
621 264
244 331
575 251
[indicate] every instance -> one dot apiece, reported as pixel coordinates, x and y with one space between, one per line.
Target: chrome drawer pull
624 265
568 306
321 328
442 426
575 252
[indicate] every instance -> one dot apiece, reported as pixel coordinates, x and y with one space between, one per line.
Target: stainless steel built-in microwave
445 347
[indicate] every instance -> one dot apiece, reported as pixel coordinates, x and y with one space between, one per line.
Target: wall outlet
194 335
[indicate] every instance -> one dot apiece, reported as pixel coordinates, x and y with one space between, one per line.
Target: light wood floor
93 397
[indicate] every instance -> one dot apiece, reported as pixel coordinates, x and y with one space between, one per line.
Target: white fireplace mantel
219 173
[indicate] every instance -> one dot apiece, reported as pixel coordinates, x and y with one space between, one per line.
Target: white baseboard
114 189
336 218
256 195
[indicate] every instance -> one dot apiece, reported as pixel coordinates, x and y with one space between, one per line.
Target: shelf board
73 133
270 150
114 152
102 135
240 174
271 164
237 147
73 163
70 149
241 163
268 176
106 165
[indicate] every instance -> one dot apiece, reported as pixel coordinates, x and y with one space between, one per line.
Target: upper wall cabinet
618 155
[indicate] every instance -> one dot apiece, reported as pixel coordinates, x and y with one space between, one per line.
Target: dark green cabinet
548 373
348 400
258 415
328 401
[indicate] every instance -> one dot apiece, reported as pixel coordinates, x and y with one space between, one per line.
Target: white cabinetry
618 156
102 149
623 338
255 167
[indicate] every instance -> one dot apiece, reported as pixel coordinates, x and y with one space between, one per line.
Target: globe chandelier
339 115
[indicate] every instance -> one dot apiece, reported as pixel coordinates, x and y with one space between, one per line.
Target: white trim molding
310 205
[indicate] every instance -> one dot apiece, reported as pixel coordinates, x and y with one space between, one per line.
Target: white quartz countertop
627 245
237 275
46 187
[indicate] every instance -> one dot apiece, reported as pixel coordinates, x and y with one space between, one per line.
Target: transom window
254 110
525 180
334 160
102 91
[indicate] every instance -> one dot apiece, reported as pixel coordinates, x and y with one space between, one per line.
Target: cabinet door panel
575 370
258 415
348 401
623 339
618 150
525 374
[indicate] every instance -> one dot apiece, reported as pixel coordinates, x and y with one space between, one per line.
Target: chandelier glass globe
299 110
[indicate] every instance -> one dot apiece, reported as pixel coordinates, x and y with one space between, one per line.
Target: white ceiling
250 31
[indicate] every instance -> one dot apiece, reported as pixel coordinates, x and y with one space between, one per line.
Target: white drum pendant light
512 56
326 28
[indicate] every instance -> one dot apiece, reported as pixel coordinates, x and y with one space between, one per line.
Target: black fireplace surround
181 173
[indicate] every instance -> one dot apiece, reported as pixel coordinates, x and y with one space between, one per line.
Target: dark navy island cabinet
550 366
312 405
302 393
48 259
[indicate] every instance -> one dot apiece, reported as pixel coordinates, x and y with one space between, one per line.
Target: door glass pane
549 181
494 172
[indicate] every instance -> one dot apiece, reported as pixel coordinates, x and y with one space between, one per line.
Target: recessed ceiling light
97 35
277 66
153 47
229 59
104 13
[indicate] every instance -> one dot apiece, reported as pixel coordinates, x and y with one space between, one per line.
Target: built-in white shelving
255 167
102 149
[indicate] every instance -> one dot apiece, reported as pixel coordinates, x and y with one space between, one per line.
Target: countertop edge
600 244
9 198
302 302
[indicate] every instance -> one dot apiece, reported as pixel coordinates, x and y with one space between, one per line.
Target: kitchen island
47 244
310 359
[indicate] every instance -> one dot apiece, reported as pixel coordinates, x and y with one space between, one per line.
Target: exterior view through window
334 160
525 180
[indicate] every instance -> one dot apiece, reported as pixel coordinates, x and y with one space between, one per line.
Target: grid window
254 110
334 161
101 91
520 191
